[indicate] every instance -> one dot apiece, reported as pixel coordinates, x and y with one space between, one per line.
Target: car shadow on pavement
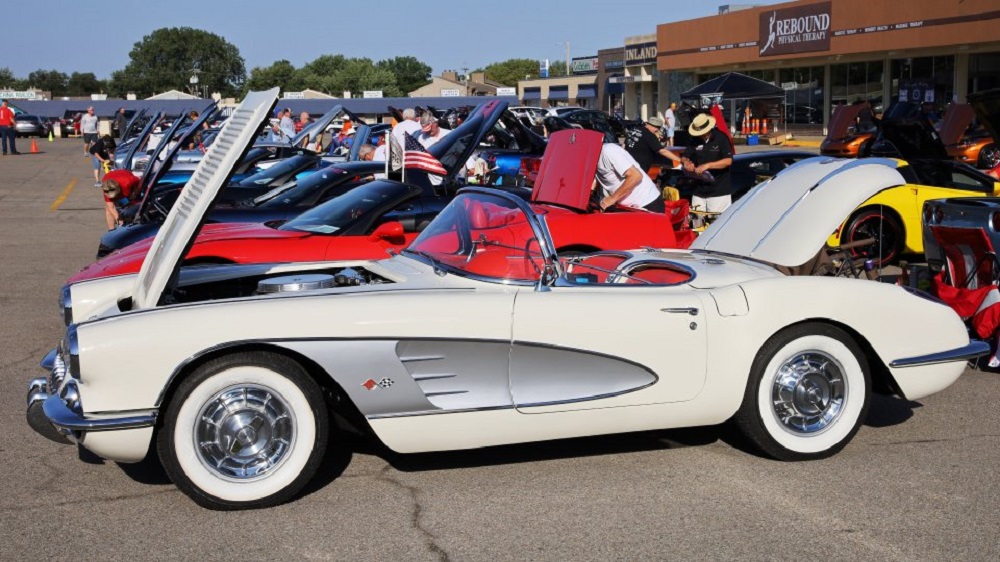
886 411
546 450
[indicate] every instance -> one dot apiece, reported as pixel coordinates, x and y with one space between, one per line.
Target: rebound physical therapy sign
802 29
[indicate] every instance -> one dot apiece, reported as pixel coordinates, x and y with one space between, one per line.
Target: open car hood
910 139
137 141
458 145
987 107
787 219
317 126
568 168
185 218
957 119
843 117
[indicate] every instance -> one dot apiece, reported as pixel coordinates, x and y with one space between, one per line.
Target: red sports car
384 215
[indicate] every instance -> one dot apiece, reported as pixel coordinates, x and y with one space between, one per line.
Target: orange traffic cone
34 146
763 129
746 128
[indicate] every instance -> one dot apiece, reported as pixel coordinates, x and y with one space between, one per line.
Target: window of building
803 97
856 81
984 72
936 73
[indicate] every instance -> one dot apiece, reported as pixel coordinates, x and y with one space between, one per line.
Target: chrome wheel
989 156
244 432
808 392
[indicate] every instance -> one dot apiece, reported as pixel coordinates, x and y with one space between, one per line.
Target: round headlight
66 304
995 222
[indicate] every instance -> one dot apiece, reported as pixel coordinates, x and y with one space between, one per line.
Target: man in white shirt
622 182
409 124
430 131
671 122
88 126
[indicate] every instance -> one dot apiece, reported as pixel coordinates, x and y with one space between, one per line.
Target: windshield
357 205
301 191
282 170
484 236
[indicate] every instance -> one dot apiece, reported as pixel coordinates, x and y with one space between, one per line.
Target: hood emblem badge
572 138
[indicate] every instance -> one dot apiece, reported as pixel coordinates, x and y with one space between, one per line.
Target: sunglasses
109 189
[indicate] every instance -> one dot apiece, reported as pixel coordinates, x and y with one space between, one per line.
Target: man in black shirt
643 144
708 160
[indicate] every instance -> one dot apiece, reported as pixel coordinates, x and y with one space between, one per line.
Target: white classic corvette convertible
479 334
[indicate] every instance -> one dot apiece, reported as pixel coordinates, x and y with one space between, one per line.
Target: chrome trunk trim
976 348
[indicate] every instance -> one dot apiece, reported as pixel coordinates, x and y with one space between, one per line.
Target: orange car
845 140
972 145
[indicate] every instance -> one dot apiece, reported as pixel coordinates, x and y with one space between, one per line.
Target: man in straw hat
708 159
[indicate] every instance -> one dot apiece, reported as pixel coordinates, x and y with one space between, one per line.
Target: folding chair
968 283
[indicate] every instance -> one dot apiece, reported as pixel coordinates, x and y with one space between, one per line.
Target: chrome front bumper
49 412
976 348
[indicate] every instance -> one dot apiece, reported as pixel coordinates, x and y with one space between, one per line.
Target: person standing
286 124
120 123
409 125
643 144
88 126
708 159
622 182
430 131
7 128
100 152
303 122
671 122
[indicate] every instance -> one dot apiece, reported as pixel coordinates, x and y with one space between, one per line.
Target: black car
289 199
749 169
597 120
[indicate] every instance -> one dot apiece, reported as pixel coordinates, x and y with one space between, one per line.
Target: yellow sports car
892 217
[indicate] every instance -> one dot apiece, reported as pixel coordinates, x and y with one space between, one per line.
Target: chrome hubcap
808 393
244 432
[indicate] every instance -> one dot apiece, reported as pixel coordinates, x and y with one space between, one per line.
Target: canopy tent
734 86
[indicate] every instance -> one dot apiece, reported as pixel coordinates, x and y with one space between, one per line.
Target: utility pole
567 56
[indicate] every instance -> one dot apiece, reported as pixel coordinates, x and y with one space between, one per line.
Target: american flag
417 157
395 160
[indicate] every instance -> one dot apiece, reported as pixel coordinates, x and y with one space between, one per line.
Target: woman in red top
118 186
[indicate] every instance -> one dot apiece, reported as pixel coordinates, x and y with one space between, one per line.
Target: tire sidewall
212 489
833 437
889 222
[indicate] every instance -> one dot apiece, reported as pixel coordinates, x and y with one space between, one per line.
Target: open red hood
843 117
568 168
956 120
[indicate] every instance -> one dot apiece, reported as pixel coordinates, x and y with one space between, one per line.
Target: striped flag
416 157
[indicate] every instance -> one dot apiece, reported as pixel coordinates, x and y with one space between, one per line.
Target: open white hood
788 218
183 221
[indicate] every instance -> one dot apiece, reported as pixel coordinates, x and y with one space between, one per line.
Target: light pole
567 55
194 83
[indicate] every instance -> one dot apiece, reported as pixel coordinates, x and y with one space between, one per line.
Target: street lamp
194 84
567 55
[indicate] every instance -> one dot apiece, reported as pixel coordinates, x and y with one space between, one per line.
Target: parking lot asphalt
920 481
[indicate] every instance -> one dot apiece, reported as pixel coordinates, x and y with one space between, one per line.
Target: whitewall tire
808 393
244 431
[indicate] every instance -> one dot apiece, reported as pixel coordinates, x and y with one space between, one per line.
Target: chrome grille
58 374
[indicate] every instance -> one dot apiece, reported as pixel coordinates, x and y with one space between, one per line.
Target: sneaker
15 152
97 184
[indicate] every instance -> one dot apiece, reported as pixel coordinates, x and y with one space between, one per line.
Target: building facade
823 53
580 89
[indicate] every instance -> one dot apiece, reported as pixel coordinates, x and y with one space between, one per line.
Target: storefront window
856 81
984 72
803 97
932 78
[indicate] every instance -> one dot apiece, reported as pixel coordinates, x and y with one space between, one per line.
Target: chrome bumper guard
976 348
50 416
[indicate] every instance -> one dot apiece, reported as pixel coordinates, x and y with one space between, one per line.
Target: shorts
670 132
711 204
96 161
89 138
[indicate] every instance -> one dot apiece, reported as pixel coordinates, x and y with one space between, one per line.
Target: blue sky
97 35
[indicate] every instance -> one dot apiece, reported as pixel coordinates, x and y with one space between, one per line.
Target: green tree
410 73
508 72
164 60
49 80
84 84
7 79
281 73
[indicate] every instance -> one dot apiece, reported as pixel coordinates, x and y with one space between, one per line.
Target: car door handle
693 311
